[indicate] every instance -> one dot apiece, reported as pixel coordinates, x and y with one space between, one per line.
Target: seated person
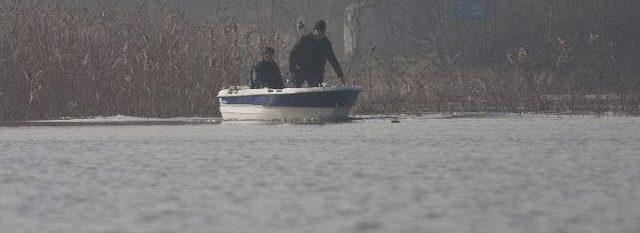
266 73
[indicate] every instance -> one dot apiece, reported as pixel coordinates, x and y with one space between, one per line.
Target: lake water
491 173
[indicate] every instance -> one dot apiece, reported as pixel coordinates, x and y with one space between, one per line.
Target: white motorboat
313 103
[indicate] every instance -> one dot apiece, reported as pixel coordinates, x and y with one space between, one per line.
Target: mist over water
499 173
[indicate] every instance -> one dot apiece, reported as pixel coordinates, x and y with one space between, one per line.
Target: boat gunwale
312 90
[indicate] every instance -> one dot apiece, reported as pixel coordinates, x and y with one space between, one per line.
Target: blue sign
472 9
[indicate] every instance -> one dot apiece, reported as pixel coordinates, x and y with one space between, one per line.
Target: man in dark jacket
266 73
309 57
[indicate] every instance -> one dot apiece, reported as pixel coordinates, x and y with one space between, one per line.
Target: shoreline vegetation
58 61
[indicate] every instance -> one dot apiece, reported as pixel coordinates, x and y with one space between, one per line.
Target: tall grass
412 86
58 61
144 61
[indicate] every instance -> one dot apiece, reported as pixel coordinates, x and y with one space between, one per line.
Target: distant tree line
587 44
521 57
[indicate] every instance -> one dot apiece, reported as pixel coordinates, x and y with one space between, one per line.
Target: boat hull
318 103
243 112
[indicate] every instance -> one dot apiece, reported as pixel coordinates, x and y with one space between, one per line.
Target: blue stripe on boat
309 99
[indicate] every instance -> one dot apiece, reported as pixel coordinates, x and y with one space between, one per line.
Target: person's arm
258 76
294 56
277 82
253 82
331 57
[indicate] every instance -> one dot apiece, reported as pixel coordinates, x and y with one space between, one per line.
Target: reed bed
157 62
58 61
482 91
412 87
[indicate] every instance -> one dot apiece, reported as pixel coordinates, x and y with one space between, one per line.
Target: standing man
266 73
310 55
